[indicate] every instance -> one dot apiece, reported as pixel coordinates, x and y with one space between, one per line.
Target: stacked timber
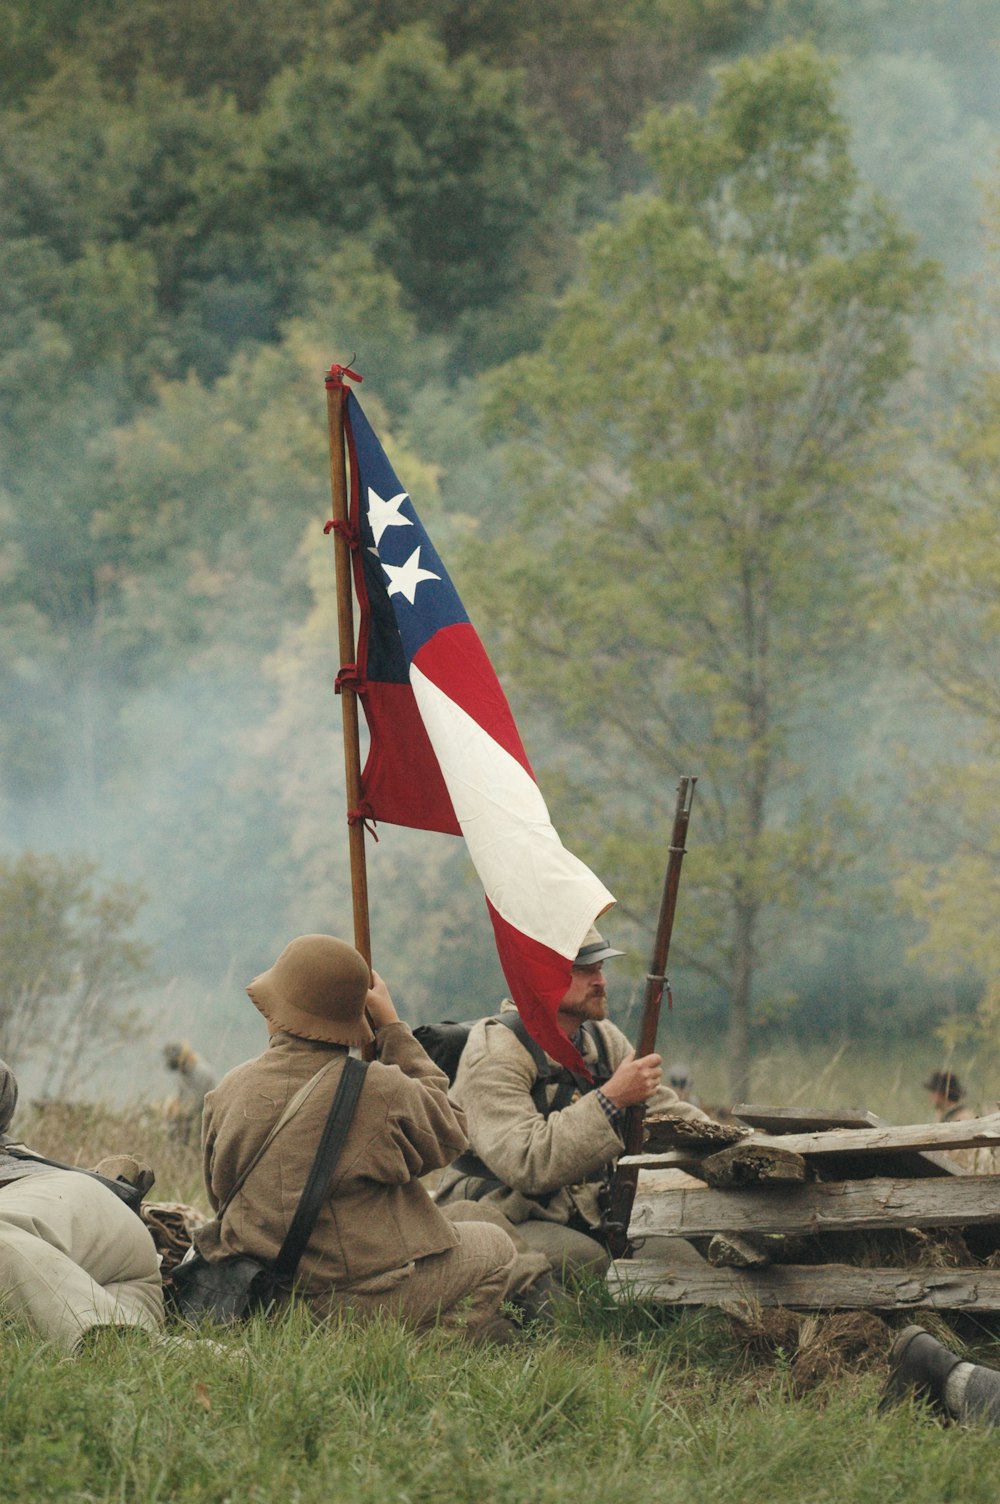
813 1211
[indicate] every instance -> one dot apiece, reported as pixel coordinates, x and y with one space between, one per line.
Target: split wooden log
974 1134
809 1287
805 1210
695 1134
750 1164
782 1120
733 1250
804 1119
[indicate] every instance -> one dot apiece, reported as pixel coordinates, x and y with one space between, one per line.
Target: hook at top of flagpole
335 375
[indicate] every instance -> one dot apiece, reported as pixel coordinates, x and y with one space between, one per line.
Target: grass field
881 1076
615 1407
618 1404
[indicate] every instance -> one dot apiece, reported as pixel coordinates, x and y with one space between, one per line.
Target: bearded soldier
544 1142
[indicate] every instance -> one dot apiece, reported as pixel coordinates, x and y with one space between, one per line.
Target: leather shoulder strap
327 1155
569 1081
291 1108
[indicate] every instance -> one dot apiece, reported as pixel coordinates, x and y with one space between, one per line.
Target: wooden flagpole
336 394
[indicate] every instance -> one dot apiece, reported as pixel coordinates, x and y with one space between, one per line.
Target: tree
703 467
68 962
949 583
441 166
593 67
204 45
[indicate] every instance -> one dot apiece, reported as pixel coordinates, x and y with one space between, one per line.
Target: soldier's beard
593 1006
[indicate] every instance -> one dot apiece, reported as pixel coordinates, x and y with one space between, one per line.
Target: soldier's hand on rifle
379 1005
635 1080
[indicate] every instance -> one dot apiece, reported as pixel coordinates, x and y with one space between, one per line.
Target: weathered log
805 1210
740 1251
976 1133
810 1287
750 1163
804 1119
674 1160
666 1132
783 1120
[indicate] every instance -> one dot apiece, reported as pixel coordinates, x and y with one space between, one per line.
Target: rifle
621 1188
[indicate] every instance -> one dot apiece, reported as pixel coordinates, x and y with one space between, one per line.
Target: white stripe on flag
530 878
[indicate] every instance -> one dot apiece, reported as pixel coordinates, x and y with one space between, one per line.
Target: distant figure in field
946 1095
195 1078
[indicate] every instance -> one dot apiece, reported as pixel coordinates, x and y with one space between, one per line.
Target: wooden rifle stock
621 1191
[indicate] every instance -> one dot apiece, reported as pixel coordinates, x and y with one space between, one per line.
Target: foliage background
201 206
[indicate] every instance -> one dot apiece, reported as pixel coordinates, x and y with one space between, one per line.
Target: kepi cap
595 948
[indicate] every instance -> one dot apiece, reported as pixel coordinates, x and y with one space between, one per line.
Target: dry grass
84 1133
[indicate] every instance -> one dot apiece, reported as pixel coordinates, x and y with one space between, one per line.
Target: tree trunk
739 1007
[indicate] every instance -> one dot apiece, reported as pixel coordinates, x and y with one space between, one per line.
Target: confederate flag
445 753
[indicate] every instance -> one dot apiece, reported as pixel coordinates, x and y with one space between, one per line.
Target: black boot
920 1365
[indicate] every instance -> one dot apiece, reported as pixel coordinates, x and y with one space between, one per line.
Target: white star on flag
383 514
404 578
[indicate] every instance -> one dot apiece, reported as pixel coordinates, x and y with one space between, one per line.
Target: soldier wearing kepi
543 1144
379 1242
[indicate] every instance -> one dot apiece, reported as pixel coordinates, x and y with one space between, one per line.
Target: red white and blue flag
445 753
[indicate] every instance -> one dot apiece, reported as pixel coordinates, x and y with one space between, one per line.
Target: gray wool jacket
561 1159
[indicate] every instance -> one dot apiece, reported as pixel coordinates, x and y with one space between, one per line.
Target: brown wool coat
567 1153
378 1216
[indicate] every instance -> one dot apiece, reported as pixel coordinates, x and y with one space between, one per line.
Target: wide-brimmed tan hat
316 989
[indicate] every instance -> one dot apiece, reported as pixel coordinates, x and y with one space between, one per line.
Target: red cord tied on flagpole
363 815
345 530
335 375
348 677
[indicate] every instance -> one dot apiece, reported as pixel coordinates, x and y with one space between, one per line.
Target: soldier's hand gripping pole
621 1192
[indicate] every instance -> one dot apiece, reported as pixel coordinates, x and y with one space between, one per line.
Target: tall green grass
621 1404
880 1076
614 1407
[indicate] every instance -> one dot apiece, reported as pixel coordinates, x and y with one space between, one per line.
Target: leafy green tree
949 583
144 205
129 547
703 464
593 67
69 963
439 165
203 45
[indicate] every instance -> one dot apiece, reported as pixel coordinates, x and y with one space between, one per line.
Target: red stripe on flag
402 780
455 662
538 978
